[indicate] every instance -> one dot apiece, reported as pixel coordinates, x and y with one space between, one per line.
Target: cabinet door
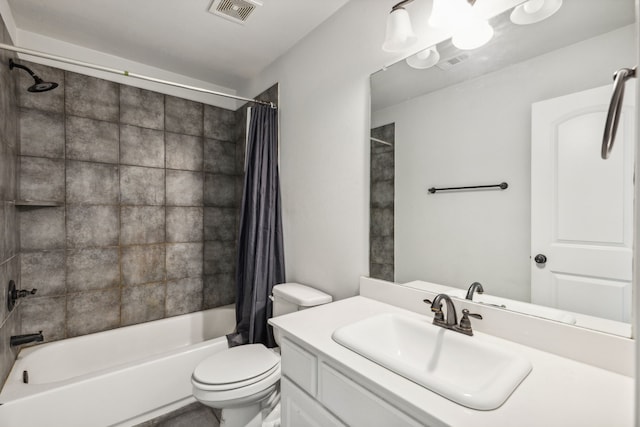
356 405
300 410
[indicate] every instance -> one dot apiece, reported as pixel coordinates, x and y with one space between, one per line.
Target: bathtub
120 377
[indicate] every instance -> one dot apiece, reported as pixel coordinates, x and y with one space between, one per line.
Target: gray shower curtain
260 257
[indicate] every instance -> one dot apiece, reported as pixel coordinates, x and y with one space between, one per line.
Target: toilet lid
236 364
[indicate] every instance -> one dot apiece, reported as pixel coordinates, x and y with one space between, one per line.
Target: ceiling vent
234 10
447 64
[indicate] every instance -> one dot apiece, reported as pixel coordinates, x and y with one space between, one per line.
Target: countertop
558 392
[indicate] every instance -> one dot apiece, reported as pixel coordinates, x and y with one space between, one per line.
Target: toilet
243 381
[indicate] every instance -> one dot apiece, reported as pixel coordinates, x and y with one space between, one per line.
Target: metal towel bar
502 186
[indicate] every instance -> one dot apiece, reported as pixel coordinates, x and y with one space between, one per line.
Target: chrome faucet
451 321
475 287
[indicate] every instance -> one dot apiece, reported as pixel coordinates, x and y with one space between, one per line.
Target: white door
582 205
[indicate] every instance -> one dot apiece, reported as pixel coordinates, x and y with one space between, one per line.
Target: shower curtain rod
129 74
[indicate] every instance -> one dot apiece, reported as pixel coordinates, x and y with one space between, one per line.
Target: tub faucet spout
26 339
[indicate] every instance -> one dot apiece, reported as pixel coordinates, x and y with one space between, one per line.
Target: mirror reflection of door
582 206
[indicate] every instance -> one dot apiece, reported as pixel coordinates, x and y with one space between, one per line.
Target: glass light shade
399 34
534 11
424 59
475 34
449 13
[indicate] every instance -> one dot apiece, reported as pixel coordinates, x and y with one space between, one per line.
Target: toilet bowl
244 381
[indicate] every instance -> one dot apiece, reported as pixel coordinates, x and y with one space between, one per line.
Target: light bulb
449 13
475 34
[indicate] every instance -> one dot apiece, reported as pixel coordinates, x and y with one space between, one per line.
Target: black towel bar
502 186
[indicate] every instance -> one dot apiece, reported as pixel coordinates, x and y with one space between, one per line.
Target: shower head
39 85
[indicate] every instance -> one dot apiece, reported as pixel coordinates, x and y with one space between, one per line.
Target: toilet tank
291 297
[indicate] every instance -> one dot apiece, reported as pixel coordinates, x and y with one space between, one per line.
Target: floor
194 415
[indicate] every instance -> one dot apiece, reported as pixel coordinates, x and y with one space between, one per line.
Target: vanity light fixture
534 11
456 15
424 59
399 35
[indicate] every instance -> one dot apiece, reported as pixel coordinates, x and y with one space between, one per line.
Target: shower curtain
260 256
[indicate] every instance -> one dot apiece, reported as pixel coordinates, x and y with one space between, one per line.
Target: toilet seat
236 375
236 367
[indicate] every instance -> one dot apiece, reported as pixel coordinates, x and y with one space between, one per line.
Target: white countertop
558 392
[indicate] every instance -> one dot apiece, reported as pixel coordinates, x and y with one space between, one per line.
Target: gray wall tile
219 257
382 166
184 296
41 179
220 224
92 140
219 290
92 183
92 226
91 97
44 271
219 156
140 107
183 151
382 194
381 250
91 269
382 222
52 100
141 186
220 190
45 314
89 312
142 224
143 264
184 224
42 229
141 147
41 133
382 272
143 303
219 123
184 260
184 188
183 116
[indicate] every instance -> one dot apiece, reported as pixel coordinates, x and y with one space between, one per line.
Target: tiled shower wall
149 189
9 251
381 233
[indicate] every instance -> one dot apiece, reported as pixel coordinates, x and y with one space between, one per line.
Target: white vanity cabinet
316 393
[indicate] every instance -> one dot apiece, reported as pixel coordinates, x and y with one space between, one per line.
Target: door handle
540 259
615 108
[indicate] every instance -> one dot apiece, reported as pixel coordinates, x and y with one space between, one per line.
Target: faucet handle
465 323
439 315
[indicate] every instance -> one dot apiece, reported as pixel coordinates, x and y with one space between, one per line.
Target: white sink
467 370
518 306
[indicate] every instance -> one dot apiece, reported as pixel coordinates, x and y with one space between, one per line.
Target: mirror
527 109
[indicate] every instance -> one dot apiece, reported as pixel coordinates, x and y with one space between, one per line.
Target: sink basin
519 306
467 370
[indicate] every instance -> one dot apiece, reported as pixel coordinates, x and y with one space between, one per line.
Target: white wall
474 133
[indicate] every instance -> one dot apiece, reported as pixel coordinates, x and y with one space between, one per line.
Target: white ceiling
178 35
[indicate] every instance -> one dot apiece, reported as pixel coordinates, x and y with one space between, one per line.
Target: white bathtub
120 377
